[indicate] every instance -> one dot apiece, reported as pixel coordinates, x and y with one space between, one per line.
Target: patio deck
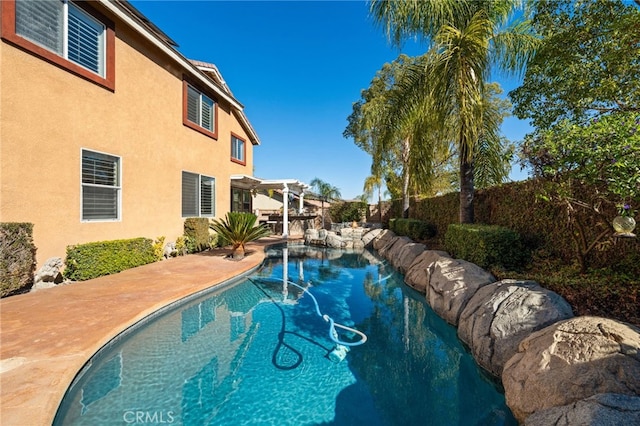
47 336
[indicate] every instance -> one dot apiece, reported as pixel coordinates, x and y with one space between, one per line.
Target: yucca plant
238 229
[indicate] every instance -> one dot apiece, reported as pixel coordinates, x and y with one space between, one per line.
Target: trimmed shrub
92 260
196 231
17 257
412 228
486 245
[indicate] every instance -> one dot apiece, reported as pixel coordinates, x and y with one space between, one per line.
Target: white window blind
237 148
198 195
207 113
207 196
64 29
85 44
200 109
100 186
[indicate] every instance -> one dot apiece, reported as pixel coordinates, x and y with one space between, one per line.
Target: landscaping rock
49 274
333 240
169 250
384 251
605 409
570 361
403 258
500 315
383 239
451 285
311 235
368 238
419 272
392 250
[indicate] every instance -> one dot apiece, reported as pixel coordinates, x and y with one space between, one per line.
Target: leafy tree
603 155
466 38
238 229
587 65
326 192
582 93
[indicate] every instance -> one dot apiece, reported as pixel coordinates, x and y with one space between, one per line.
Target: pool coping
47 336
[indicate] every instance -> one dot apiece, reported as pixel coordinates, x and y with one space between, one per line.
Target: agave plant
238 229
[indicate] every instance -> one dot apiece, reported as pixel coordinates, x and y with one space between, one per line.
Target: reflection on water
256 353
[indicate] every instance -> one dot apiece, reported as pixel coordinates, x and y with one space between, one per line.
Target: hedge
415 229
486 245
92 260
542 226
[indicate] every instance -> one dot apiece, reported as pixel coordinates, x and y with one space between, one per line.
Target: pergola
285 185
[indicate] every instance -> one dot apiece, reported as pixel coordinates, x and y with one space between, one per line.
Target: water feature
258 352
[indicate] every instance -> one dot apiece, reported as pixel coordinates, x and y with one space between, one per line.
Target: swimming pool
257 352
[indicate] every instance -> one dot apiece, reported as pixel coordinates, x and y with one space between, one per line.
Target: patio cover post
285 210
301 202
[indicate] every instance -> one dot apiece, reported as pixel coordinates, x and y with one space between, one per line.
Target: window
100 186
199 111
70 35
237 150
240 200
198 195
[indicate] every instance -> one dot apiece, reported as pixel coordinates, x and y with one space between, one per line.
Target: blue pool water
255 353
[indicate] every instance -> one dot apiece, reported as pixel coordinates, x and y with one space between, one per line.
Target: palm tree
238 229
397 145
326 192
466 39
370 184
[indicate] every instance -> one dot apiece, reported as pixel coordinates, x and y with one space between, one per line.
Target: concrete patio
47 336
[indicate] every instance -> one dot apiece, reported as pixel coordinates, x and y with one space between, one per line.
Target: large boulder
605 409
394 243
404 257
500 315
383 239
419 272
453 282
368 238
334 241
572 360
392 250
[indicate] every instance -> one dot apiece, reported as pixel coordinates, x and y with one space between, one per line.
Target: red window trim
244 147
8 33
192 125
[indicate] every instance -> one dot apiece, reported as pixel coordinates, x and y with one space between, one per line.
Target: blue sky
297 67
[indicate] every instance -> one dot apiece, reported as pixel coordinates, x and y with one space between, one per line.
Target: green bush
92 260
412 228
486 245
196 231
17 257
348 211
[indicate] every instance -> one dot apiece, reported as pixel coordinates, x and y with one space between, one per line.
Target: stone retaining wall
554 367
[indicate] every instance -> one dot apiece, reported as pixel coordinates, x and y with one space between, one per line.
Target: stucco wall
47 115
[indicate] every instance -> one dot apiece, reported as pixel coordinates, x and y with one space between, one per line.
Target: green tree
587 65
326 192
582 93
238 229
402 148
467 38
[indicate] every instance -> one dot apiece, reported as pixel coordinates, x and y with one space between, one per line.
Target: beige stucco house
107 131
